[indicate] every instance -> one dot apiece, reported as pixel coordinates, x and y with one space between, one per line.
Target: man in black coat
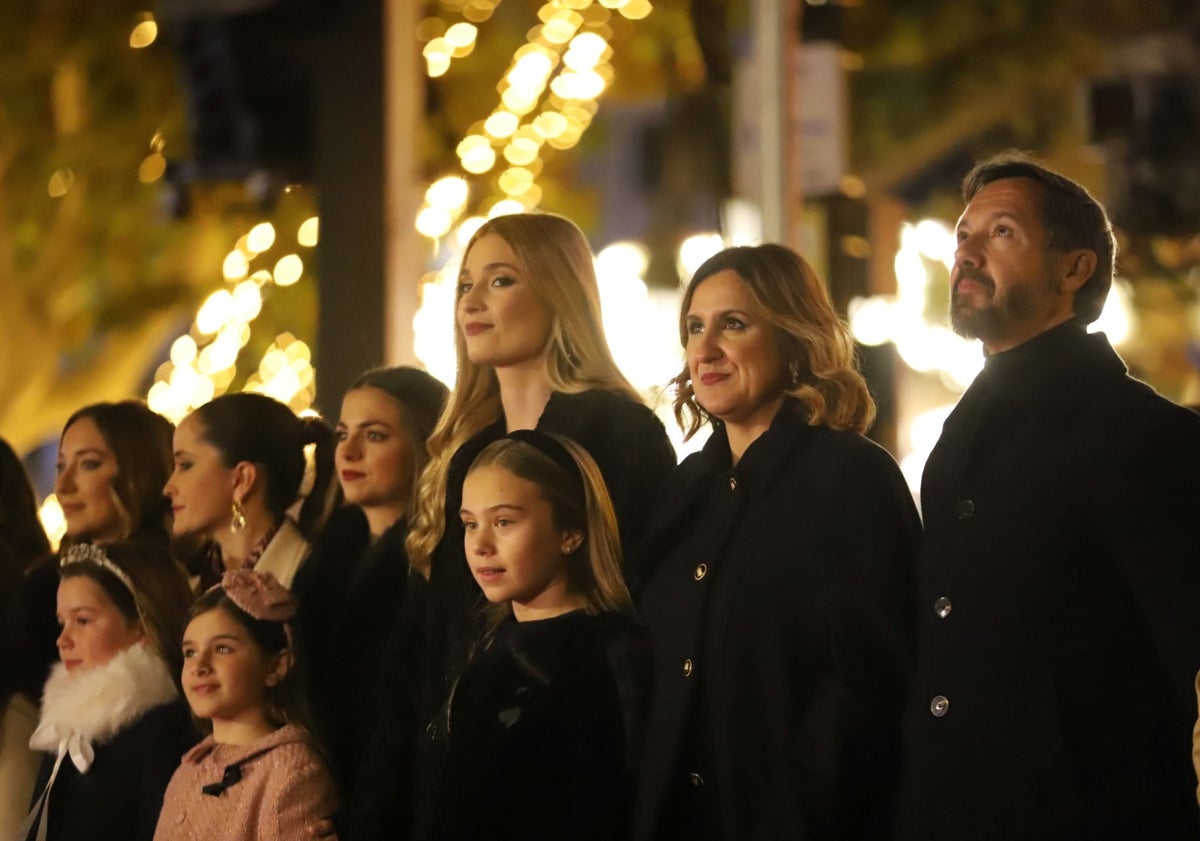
1059 579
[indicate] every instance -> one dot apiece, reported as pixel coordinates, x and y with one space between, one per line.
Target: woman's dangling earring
794 372
238 524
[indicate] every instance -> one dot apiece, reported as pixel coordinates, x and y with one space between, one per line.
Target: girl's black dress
541 733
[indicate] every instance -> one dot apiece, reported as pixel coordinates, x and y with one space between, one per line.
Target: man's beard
992 320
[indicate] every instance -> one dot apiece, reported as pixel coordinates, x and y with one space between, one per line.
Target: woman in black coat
353 584
779 601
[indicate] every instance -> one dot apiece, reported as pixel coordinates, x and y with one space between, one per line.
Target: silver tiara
92 554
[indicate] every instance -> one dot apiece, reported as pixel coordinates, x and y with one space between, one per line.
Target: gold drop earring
238 524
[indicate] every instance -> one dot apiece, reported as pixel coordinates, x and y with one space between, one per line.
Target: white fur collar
95 705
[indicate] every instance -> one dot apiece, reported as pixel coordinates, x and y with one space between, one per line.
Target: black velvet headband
548 446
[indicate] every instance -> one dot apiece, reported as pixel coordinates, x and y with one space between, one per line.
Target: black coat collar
1051 373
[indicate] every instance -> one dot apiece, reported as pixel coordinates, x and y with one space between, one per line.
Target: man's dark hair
1071 216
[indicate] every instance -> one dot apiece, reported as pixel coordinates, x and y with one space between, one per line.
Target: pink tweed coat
278 788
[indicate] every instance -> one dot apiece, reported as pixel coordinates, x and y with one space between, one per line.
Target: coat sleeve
635 457
167 738
298 795
849 738
1144 511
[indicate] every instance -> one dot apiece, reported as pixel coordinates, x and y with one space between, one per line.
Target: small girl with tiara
542 723
257 776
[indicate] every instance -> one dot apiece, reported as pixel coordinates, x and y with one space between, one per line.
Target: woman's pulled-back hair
140 440
815 343
557 262
421 398
160 597
576 503
261 430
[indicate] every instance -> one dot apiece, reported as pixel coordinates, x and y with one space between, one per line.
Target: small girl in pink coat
258 777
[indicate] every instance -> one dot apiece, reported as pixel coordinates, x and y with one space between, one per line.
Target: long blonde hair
816 345
558 264
576 503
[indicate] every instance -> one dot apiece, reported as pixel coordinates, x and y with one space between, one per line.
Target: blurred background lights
461 35
183 350
505 207
434 222
288 270
247 301
695 250
53 521
467 229
214 312
236 266
144 33
309 232
152 168
261 237
450 192
61 182
501 124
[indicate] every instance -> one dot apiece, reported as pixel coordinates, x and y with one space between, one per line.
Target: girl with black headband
541 726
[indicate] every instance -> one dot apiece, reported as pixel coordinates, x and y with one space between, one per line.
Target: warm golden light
261 237
434 222
144 34
152 168
309 233
501 124
236 266
61 182
288 270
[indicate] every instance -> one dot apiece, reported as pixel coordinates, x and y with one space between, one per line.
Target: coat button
687 667
695 780
701 571
939 706
965 509
732 483
942 607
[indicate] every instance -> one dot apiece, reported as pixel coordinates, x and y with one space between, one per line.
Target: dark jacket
350 591
121 794
1059 601
542 730
780 614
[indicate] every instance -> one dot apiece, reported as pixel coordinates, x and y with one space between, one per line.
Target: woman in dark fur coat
353 584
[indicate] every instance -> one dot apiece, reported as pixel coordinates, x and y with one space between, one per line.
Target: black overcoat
541 732
351 591
121 794
1059 605
781 622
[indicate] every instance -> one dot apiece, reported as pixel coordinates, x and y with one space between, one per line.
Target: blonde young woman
531 355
